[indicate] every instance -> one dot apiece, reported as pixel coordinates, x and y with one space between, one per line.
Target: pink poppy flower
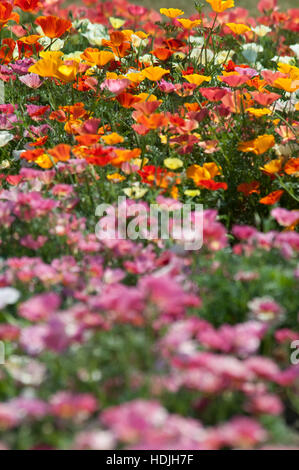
115 86
285 217
32 80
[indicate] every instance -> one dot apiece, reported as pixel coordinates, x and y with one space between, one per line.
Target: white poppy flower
261 30
8 296
5 137
295 49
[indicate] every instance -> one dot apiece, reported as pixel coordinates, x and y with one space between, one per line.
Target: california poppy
60 152
212 185
6 14
272 167
53 26
162 53
27 5
96 57
51 65
6 50
221 5
118 43
292 167
264 99
259 145
272 198
259 112
87 139
234 80
197 79
112 139
238 28
189 24
249 188
171 12
154 73
127 99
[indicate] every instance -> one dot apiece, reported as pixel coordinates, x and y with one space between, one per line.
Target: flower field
137 342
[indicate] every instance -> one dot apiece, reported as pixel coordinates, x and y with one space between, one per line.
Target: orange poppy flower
96 57
124 155
272 198
60 152
127 99
154 74
87 139
53 26
205 172
162 53
32 39
112 139
118 43
192 106
27 5
259 145
153 121
292 167
6 14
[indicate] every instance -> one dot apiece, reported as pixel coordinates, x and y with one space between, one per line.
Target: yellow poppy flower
188 24
221 5
116 23
274 166
192 192
154 73
258 112
173 163
112 139
115 177
171 12
197 79
238 28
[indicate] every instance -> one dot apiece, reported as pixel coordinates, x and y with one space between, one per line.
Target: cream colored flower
261 30
4 164
5 137
135 192
56 45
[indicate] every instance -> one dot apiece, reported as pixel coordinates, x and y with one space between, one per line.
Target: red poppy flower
27 5
212 185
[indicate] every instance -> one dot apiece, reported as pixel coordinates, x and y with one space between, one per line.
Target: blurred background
188 5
